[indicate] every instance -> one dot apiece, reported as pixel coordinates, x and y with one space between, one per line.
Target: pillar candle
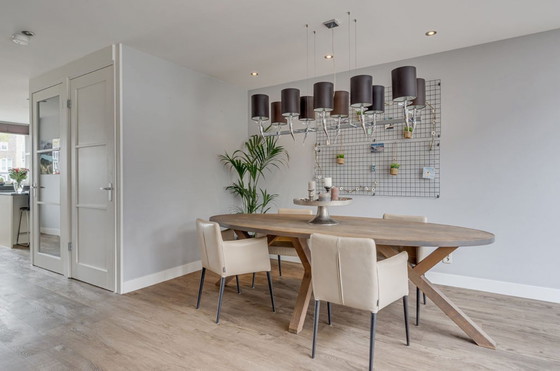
327 182
311 185
334 193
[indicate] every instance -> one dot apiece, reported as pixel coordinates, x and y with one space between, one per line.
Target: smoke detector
22 38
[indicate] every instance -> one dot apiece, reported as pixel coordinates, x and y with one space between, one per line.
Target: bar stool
22 210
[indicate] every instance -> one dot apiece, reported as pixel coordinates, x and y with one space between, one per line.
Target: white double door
84 244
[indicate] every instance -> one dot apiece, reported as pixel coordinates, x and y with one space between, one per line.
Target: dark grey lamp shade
420 101
360 91
323 96
378 93
276 117
259 107
290 102
404 83
306 112
341 104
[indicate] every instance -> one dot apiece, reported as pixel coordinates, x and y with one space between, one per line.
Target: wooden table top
383 231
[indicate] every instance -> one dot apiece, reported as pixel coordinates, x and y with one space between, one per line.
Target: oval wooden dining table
390 236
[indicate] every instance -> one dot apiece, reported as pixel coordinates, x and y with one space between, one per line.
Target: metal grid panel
356 175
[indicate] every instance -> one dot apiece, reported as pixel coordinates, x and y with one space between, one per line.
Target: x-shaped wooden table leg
416 275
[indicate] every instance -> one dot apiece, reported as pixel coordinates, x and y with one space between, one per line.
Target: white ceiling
229 39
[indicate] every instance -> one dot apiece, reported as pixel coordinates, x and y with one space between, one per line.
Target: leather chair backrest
211 245
296 211
406 218
344 271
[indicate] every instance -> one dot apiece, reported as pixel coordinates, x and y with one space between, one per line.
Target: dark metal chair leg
279 266
315 325
237 282
268 276
329 313
405 305
222 285
417 306
424 297
253 281
372 339
19 228
203 274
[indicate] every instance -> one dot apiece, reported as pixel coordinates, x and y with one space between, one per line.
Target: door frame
108 56
90 79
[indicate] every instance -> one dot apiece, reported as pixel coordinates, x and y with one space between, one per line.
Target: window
12 153
5 164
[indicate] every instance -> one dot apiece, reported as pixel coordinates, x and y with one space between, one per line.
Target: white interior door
92 113
48 172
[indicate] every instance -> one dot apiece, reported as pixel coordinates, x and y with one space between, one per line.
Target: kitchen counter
10 203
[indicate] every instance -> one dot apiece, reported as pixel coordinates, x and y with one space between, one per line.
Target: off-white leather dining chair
345 271
230 258
419 256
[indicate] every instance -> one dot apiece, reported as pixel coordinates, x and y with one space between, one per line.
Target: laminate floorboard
48 322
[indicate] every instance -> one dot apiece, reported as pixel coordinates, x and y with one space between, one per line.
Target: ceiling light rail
388 124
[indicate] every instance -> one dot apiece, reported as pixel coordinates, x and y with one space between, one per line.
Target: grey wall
175 123
500 112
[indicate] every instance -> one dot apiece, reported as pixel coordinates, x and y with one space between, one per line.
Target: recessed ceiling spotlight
254 73
22 38
329 56
431 33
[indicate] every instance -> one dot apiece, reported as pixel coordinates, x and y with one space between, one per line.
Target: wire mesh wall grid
366 172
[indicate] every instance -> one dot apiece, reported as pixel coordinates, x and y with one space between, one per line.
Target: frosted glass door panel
49 123
91 113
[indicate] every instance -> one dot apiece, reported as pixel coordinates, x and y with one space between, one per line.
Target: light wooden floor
49 322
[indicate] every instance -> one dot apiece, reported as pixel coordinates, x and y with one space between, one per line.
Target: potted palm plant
395 168
340 158
261 155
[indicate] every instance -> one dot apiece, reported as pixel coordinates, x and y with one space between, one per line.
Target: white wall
175 123
500 113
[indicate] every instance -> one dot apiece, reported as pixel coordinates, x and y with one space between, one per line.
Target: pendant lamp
403 81
290 105
341 108
259 109
276 116
323 102
378 106
361 96
419 103
378 98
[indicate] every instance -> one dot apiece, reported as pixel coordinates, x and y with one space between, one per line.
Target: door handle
34 187
109 188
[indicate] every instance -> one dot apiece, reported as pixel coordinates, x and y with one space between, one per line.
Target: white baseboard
155 278
51 231
497 287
